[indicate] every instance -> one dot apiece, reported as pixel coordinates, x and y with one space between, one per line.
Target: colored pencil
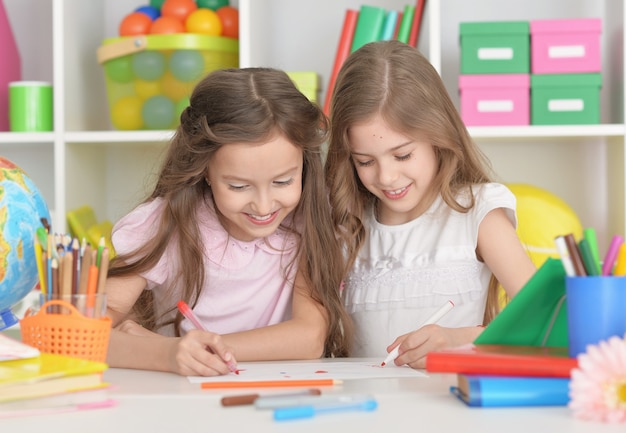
271 383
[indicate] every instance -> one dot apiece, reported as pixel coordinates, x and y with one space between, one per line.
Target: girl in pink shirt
238 228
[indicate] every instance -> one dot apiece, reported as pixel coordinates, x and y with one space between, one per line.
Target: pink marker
611 255
188 313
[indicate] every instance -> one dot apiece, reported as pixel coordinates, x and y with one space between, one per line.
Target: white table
162 402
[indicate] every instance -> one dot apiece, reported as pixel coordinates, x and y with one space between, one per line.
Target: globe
22 208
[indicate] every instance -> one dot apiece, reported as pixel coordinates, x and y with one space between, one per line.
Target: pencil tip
382 364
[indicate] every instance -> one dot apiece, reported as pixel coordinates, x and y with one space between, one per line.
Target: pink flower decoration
598 385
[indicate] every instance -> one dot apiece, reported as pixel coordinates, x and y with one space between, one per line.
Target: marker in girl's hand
188 313
431 320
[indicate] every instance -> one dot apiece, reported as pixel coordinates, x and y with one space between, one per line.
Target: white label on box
566 51
502 106
566 104
495 53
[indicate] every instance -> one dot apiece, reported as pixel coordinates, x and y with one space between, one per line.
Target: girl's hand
199 353
415 345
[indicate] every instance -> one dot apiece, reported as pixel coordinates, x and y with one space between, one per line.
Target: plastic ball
135 23
126 113
157 4
148 65
212 4
175 89
146 89
229 16
186 65
158 112
180 106
179 9
119 70
150 11
166 25
204 21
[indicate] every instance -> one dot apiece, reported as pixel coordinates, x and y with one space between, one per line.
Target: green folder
536 316
369 26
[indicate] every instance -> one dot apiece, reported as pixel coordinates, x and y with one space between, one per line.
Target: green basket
149 78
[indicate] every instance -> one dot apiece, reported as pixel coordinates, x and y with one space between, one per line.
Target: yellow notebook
48 374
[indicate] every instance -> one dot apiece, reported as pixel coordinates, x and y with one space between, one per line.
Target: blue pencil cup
596 310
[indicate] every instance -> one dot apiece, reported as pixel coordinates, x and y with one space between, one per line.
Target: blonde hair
248 105
392 80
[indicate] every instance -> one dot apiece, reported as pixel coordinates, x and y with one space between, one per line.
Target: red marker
188 313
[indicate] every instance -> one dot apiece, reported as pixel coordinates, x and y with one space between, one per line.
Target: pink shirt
245 285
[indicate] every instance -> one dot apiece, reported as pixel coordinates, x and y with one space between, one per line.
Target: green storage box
565 99
500 47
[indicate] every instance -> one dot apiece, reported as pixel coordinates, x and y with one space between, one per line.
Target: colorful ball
158 112
150 11
166 25
175 89
126 113
204 21
119 70
179 9
186 65
148 65
135 23
229 16
146 89
212 4
180 106
157 3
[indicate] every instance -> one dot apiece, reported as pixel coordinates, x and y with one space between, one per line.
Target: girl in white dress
414 203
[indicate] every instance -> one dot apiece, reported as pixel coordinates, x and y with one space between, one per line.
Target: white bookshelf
84 161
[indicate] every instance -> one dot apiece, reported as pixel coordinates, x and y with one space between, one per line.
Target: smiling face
255 186
397 169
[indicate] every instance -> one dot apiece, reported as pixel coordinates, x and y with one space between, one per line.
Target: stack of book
503 375
521 358
374 23
33 383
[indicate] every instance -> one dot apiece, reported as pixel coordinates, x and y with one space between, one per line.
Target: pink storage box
495 100
565 46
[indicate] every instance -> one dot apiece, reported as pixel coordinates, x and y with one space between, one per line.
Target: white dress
404 273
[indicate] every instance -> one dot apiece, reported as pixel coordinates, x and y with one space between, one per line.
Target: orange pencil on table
270 383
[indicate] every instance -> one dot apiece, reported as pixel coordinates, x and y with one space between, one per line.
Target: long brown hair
247 105
395 81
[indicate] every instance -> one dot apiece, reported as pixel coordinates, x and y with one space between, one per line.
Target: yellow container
149 78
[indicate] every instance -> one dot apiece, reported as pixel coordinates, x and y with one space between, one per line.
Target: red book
417 22
507 360
343 51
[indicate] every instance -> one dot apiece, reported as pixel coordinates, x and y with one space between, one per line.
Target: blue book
502 391
389 26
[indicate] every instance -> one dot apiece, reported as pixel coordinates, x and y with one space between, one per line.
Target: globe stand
7 319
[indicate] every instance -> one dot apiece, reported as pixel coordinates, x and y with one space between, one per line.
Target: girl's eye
403 157
364 163
284 182
237 187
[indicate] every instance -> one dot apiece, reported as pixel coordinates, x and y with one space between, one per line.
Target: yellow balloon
126 113
542 216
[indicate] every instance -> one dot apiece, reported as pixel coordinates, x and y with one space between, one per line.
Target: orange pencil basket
67 332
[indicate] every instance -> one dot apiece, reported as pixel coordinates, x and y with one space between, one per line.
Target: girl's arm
131 346
301 337
502 251
500 248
